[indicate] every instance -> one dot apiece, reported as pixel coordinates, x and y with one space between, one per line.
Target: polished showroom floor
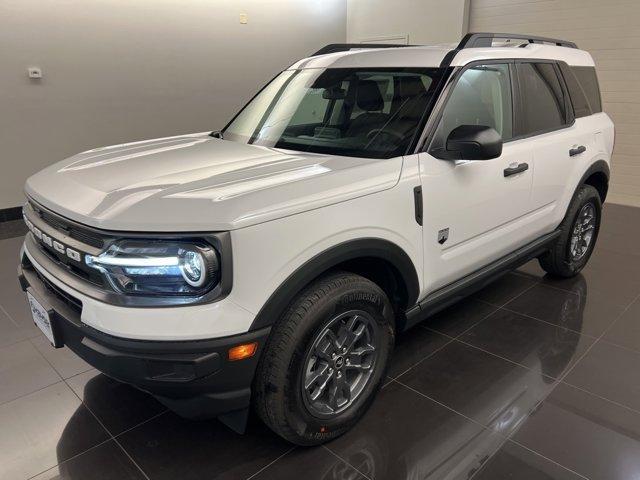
533 378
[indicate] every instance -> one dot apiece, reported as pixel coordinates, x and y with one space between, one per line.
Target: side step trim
449 294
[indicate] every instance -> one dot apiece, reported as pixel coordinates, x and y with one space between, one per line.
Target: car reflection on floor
454 449
437 441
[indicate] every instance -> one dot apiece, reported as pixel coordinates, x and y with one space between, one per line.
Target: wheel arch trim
330 258
599 166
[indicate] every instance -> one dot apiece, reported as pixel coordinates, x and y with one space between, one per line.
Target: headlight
157 267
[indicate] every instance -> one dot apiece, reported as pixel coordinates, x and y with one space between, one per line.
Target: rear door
546 119
474 210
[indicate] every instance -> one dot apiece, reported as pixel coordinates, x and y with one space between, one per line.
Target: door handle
521 167
577 150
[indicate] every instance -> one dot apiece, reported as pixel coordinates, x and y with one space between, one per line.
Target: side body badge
443 235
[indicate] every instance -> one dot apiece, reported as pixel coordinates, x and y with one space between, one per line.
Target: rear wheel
579 229
325 359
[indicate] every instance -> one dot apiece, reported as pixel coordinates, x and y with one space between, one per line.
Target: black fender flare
324 261
599 166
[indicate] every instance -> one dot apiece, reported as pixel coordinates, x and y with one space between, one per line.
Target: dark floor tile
532 268
165 445
9 256
589 435
546 348
609 371
513 462
626 330
12 228
610 273
618 243
317 464
405 435
506 288
118 406
43 429
104 462
459 317
584 312
14 303
481 386
23 371
412 346
619 224
11 333
63 360
12 299
621 212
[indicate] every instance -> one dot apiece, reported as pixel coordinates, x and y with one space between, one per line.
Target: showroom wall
120 70
406 21
609 31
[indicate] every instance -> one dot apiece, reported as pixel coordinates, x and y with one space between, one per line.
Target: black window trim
424 145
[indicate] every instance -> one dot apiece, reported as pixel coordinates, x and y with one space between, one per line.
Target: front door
475 211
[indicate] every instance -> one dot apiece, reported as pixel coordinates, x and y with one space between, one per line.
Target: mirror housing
474 142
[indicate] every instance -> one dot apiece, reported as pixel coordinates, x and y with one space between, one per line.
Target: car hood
200 183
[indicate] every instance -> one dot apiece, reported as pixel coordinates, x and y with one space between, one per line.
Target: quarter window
482 96
581 107
588 81
543 105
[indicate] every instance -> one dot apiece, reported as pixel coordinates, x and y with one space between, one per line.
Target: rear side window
581 107
588 83
542 98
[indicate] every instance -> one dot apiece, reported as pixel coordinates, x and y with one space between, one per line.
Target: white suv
363 189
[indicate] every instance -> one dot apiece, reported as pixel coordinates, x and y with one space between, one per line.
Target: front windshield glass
341 111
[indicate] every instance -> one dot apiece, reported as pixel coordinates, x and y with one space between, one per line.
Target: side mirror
474 142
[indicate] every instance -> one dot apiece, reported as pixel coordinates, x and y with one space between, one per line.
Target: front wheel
579 229
325 359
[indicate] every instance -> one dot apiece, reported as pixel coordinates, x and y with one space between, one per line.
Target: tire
331 303
560 261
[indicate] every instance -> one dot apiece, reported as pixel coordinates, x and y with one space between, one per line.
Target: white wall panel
609 31
123 70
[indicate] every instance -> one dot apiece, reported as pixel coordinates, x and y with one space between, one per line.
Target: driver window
482 96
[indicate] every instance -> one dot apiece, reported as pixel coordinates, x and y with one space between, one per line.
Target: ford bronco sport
271 264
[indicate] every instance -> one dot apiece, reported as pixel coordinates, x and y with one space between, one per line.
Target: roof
432 56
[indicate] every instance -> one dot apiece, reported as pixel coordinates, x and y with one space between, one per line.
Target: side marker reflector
240 352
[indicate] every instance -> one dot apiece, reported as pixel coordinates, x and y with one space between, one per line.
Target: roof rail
476 40
344 47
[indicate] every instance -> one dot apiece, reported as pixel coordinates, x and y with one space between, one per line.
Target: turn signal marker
240 352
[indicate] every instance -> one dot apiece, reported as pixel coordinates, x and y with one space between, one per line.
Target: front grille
89 274
69 300
71 229
88 240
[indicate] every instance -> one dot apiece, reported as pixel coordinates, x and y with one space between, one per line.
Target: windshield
341 111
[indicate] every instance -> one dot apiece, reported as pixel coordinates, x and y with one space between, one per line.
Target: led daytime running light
133 261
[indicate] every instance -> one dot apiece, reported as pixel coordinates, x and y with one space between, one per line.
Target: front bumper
192 377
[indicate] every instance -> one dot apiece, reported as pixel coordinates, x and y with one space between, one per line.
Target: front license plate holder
44 318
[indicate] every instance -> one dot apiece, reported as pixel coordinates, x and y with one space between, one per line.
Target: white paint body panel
199 183
283 208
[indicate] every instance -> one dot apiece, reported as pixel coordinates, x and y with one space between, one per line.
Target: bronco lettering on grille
52 242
